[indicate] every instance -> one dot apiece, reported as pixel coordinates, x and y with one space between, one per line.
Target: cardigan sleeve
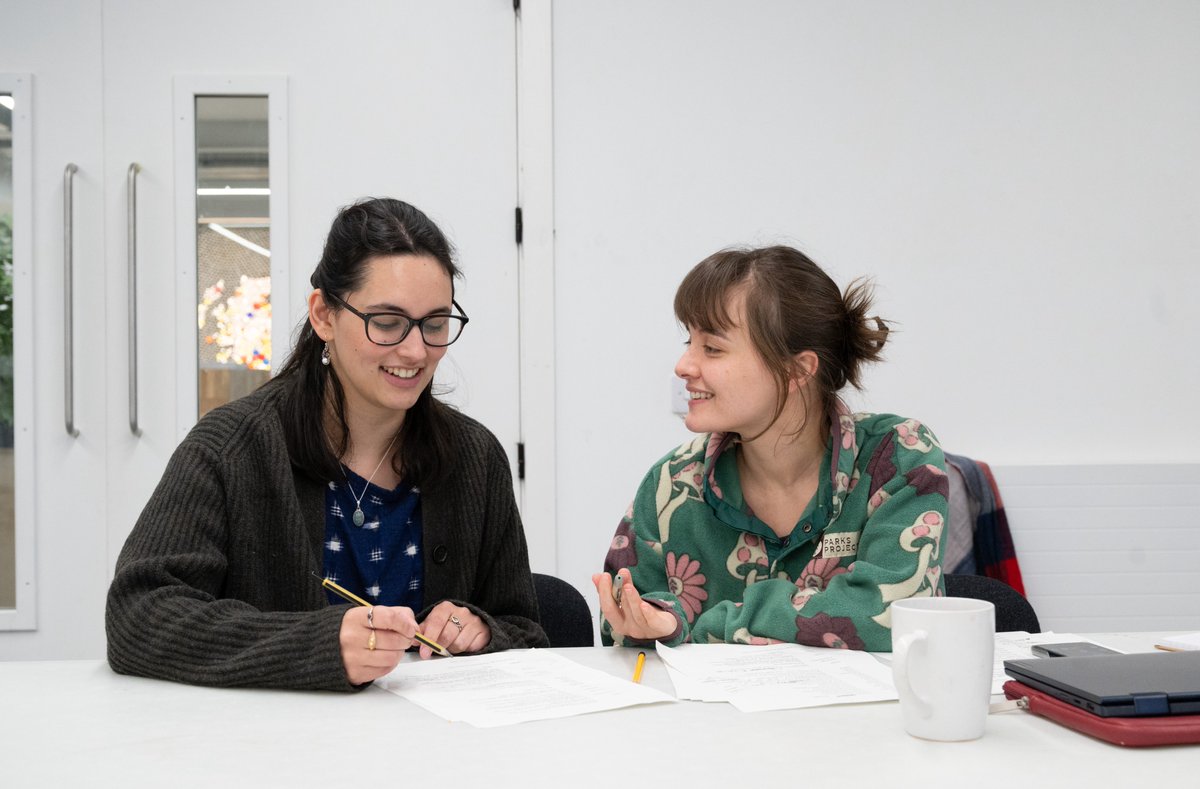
898 556
498 586
169 612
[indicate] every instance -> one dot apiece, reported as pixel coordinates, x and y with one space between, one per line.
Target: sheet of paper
1184 642
778 676
512 687
788 676
1009 646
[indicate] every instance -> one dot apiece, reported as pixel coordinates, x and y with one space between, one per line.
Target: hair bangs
702 300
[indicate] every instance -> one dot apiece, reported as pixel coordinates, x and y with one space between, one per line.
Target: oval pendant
358 517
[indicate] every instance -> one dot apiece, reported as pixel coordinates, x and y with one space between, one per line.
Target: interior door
382 98
60 351
381 101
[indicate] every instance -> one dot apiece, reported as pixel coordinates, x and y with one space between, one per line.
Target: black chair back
564 612
1013 611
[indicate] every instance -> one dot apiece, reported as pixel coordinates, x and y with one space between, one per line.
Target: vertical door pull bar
131 237
68 295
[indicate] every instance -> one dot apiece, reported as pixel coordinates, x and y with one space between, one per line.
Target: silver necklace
358 516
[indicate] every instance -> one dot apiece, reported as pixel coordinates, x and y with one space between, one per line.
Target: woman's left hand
455 628
628 614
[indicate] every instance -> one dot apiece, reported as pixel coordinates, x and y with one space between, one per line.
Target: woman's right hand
372 639
633 617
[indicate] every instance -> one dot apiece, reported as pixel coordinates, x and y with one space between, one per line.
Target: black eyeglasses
390 328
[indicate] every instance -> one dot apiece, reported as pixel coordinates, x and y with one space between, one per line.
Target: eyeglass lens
437 330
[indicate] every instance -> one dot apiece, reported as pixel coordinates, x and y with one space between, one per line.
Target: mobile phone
1071 649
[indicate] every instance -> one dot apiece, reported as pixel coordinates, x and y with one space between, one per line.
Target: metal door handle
131 235
68 295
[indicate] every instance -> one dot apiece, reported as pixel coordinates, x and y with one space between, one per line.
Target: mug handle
900 671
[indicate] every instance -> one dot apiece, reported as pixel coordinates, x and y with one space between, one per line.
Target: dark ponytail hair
360 232
791 306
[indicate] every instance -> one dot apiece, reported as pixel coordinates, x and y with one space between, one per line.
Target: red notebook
1133 732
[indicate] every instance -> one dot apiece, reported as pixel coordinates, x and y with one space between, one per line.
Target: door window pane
8 543
233 243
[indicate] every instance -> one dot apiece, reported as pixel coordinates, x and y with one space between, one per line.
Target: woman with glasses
343 468
788 519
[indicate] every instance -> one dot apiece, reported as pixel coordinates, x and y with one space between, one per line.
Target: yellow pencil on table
348 595
637 670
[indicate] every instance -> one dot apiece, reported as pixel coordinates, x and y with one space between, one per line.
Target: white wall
1020 177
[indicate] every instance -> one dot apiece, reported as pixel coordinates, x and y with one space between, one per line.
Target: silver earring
325 355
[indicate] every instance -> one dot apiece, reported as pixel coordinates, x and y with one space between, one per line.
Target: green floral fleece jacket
871 535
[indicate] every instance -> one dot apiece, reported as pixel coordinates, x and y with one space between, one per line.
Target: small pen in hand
637 670
338 590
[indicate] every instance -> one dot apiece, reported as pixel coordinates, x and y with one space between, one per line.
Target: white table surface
77 724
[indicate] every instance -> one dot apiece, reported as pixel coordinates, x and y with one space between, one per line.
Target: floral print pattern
846 423
880 467
748 560
922 539
691 476
685 581
878 514
824 630
818 572
743 636
928 479
621 552
717 443
877 500
913 435
801 597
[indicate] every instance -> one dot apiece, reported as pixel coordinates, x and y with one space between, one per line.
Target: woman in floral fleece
788 518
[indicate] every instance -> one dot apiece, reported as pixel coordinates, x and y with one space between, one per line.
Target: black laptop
1117 686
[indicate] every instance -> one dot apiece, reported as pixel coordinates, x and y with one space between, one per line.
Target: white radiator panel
1107 548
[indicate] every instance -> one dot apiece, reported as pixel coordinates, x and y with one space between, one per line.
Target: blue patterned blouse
381 560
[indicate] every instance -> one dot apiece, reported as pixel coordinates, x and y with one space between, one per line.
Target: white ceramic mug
942 665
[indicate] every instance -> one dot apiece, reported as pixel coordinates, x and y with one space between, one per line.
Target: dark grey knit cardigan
214 585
